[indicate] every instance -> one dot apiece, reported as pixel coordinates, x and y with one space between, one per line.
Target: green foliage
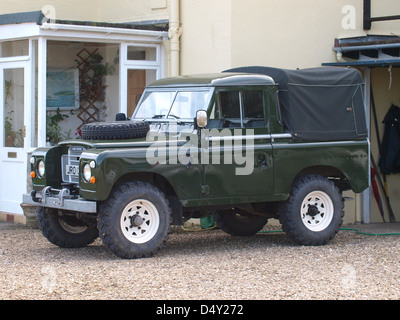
16 137
53 128
12 138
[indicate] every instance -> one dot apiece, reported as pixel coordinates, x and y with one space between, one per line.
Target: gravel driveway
203 265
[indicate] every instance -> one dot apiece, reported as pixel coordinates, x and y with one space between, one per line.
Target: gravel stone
203 265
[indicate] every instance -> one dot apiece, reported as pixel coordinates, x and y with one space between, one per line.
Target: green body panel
277 159
112 165
284 161
52 159
349 158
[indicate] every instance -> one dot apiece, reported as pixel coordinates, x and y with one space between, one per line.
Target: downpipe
174 34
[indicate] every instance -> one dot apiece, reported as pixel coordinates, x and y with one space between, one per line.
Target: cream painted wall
93 10
286 33
381 8
206 42
298 34
226 33
282 33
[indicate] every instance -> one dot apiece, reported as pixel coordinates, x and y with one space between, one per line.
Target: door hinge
205 190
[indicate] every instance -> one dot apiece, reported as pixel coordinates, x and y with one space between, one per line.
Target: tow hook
62 194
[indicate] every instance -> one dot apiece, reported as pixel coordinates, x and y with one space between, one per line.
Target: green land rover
244 145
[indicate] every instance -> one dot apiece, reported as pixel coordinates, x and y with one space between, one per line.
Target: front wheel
313 213
135 220
65 231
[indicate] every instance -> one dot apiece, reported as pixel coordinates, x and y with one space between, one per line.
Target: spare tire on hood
114 130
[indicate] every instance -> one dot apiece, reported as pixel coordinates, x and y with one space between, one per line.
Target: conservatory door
13 142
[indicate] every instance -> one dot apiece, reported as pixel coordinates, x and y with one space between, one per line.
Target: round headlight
41 169
87 172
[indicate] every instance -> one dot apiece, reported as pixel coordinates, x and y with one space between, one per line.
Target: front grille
70 164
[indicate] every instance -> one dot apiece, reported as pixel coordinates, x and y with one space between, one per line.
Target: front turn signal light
33 174
92 180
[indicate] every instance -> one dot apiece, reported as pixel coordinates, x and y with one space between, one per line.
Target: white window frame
125 65
49 31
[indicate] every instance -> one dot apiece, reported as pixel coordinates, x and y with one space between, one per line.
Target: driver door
238 150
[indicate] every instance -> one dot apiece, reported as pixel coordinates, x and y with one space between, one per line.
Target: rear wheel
313 213
65 231
135 220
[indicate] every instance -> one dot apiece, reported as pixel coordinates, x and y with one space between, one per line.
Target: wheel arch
332 173
163 185
153 178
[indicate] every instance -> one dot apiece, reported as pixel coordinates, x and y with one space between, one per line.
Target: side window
253 108
229 102
225 112
236 109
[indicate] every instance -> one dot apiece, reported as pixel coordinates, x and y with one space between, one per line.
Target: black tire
238 223
134 222
114 130
314 211
65 231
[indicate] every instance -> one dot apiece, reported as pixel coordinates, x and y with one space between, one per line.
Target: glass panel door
13 102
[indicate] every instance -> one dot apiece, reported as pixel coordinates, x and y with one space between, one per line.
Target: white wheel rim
140 221
317 211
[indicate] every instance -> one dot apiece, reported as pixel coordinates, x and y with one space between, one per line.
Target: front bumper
59 199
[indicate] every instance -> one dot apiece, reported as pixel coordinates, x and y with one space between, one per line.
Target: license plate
72 170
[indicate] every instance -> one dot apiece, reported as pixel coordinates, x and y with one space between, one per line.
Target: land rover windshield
173 104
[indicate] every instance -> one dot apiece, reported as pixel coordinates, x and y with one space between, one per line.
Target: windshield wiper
159 116
176 117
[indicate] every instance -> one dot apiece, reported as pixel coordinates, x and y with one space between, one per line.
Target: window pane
187 103
229 104
14 48
155 105
142 53
253 104
253 109
13 88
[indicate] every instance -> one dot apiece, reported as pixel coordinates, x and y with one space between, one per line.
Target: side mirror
201 118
